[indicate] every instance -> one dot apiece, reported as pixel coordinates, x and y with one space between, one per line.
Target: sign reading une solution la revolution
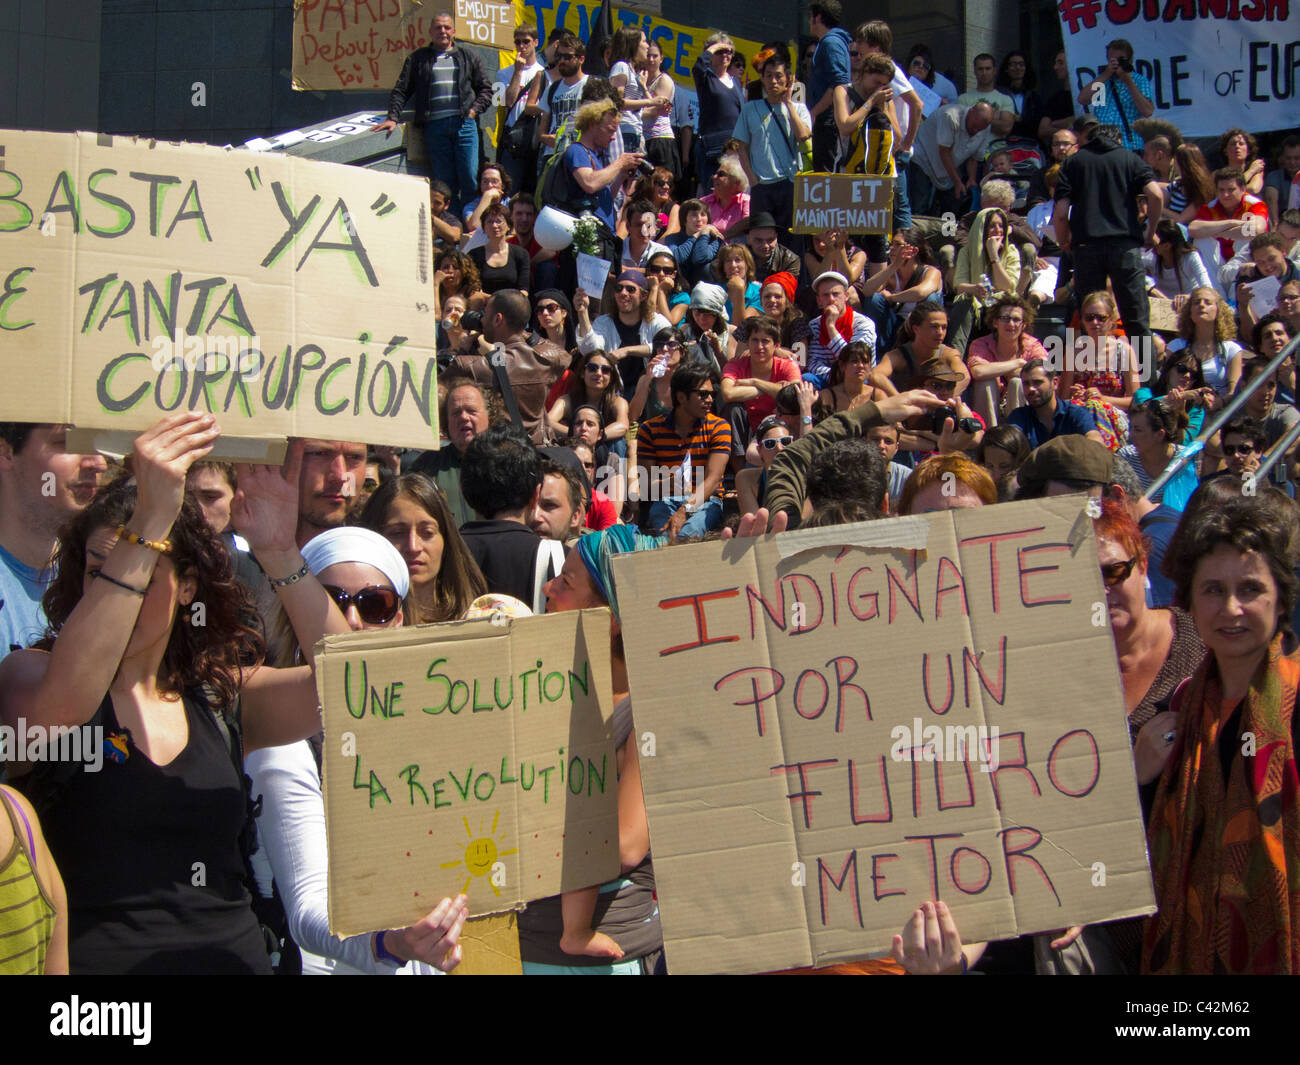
836 725
1213 64
287 297
472 756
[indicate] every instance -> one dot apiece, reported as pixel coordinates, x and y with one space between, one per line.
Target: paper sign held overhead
593 273
843 733
473 756
287 297
849 202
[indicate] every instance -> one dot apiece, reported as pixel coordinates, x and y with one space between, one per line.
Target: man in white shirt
558 102
951 137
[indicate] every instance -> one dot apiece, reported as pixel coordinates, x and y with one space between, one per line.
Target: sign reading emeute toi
837 725
471 756
288 297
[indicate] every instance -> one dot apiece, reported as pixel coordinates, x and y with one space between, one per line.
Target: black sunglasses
375 605
1239 449
1117 573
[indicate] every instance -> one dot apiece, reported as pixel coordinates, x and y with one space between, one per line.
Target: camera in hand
645 167
472 321
961 425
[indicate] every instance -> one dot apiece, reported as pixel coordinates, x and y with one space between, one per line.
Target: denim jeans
706 519
453 157
921 189
902 205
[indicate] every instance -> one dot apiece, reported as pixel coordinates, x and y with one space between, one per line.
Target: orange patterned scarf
1225 853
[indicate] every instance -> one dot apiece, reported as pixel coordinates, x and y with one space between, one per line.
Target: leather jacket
416 81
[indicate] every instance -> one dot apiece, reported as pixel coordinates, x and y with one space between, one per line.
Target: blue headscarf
598 550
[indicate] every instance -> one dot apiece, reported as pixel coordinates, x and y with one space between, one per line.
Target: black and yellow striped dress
869 149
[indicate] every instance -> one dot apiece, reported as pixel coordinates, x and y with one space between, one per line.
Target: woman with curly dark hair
150 642
456 274
1225 819
595 382
1240 149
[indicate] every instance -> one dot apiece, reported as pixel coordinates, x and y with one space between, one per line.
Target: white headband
349 543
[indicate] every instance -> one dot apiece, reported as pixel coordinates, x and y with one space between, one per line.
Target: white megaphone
553 229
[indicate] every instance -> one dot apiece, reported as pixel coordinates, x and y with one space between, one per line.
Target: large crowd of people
1070 297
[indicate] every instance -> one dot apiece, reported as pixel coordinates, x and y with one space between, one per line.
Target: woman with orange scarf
1224 832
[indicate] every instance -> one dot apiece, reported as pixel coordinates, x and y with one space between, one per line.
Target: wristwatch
806 419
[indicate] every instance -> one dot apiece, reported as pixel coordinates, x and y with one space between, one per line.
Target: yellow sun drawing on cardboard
481 852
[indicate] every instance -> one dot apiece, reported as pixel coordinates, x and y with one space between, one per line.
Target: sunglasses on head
772 443
1116 573
375 605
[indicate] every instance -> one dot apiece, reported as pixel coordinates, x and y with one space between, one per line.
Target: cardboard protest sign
471 756
490 23
850 202
288 297
829 737
356 46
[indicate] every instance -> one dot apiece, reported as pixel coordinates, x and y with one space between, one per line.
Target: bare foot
590 942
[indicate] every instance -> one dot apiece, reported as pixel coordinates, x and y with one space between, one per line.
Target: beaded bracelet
293 578
163 547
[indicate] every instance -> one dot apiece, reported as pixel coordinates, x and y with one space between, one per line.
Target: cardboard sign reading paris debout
356 46
851 202
472 756
837 725
288 297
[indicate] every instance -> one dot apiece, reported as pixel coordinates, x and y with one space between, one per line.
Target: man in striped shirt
685 454
837 325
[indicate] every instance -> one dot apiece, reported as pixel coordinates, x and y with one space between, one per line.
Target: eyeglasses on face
1116 573
595 367
703 393
671 345
548 308
661 270
1240 449
562 56
1096 318
1184 368
772 443
1010 319
629 290
375 605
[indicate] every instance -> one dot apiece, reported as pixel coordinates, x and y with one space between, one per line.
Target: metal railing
1223 417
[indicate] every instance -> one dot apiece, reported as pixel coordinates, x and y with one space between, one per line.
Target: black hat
762 220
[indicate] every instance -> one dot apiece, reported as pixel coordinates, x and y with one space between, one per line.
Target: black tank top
150 857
